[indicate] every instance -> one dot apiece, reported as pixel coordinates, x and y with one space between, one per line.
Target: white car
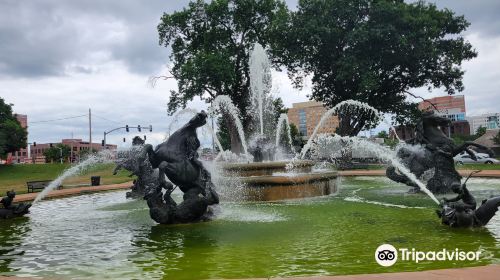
481 158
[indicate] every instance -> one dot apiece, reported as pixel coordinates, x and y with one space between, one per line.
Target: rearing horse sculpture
435 159
177 158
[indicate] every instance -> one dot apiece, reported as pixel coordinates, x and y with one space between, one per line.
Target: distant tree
82 154
383 134
480 131
373 51
210 51
13 136
223 134
296 137
279 107
54 154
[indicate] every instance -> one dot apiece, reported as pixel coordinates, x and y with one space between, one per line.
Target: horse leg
399 178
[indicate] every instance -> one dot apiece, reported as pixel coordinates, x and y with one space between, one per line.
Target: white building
490 121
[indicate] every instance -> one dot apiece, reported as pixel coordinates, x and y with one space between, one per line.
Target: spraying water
351 106
325 144
260 81
104 156
283 120
222 102
177 116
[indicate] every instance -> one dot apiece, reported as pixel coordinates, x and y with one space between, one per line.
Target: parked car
481 158
477 154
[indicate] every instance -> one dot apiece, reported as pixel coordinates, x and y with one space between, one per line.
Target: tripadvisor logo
387 255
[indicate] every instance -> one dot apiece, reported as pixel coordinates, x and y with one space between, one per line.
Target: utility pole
90 131
71 153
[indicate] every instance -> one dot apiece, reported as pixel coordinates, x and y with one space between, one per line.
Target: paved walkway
381 172
490 272
73 191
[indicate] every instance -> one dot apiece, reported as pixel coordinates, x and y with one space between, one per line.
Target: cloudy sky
60 58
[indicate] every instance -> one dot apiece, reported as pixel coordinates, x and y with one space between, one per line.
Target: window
302 123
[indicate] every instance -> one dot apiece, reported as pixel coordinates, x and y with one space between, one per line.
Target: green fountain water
104 234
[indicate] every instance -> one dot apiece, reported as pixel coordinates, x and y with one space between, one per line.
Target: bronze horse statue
433 157
177 158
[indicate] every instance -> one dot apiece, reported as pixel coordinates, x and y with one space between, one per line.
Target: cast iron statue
262 149
461 211
177 158
434 159
138 166
11 211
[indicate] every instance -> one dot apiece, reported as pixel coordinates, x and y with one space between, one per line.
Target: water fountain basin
266 168
270 181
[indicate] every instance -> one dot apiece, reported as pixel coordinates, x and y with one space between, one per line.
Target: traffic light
150 128
123 139
34 144
144 137
139 128
102 143
50 145
126 128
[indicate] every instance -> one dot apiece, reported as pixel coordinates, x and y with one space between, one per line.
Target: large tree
210 45
57 152
13 136
374 51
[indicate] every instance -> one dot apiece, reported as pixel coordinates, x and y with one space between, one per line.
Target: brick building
451 107
20 156
306 115
78 147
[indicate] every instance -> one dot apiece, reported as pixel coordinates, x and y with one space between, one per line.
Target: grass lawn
16 176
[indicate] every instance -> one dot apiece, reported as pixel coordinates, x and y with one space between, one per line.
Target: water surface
107 236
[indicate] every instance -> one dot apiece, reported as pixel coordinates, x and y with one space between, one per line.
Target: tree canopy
373 51
210 45
55 153
13 136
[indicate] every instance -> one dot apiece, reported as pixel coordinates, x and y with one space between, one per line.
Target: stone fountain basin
266 168
293 186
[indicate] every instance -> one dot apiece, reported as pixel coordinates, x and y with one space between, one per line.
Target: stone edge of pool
488 272
74 191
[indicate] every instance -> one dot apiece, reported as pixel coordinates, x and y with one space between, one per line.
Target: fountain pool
89 236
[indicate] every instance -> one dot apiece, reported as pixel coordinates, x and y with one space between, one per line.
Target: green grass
15 176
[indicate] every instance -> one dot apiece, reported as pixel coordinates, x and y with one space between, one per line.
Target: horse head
198 120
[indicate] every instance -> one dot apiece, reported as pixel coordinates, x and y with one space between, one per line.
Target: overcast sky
60 58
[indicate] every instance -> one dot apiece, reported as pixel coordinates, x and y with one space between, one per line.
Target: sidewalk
73 191
490 272
381 172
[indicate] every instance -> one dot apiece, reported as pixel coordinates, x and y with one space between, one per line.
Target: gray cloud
42 38
59 58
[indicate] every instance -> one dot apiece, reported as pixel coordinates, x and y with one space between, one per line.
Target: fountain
266 178
304 235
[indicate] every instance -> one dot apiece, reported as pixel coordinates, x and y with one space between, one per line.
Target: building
451 107
306 115
490 121
78 147
22 155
